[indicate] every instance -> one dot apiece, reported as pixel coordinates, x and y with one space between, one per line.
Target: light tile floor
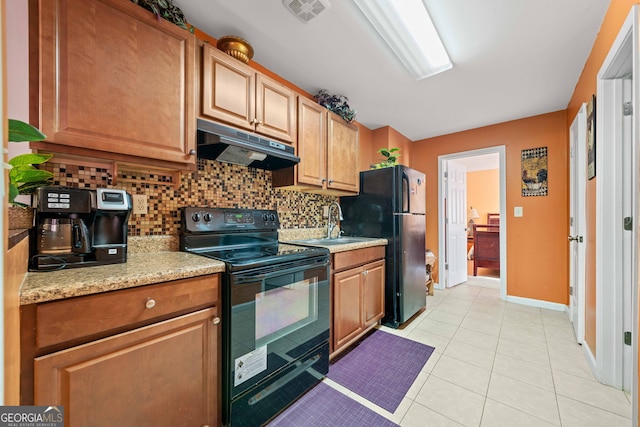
500 364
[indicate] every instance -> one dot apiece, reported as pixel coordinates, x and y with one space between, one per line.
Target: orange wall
586 86
537 256
388 137
483 193
365 139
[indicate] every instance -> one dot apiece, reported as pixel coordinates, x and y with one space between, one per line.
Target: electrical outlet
140 206
325 212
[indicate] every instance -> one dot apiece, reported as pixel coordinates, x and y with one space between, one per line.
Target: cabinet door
275 109
373 292
164 374
228 89
115 79
312 136
342 154
347 311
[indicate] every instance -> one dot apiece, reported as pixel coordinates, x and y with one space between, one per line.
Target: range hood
226 144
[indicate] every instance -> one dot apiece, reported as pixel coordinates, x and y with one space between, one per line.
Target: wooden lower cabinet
159 375
358 294
143 356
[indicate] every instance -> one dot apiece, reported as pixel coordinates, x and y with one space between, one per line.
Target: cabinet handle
216 320
324 180
193 152
258 122
330 181
365 272
150 303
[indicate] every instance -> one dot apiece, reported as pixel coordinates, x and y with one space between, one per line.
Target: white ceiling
511 58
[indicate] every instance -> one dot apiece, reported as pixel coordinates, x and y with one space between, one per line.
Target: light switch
517 211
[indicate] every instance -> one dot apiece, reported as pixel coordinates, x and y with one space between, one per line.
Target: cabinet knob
365 272
324 180
330 181
150 303
216 320
193 152
258 122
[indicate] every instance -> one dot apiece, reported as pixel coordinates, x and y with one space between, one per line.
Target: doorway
444 233
616 213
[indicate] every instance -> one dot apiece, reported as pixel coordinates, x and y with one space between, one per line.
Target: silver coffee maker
79 228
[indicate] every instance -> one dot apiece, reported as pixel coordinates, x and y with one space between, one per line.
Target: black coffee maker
79 228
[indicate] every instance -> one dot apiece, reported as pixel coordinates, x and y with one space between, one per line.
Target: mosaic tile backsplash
213 184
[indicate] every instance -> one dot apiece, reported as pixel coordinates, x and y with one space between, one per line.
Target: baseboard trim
537 303
591 360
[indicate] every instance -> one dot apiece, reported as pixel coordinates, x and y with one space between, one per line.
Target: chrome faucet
330 223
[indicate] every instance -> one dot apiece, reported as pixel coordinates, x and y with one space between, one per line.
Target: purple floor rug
324 406
381 368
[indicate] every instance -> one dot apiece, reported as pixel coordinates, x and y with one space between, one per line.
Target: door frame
442 235
578 178
610 304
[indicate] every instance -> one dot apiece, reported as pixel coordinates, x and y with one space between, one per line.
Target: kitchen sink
343 240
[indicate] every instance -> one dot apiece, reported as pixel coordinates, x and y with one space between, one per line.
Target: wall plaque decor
534 172
591 138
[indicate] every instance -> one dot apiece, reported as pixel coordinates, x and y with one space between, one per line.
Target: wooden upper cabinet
312 136
228 89
237 94
342 154
112 78
328 148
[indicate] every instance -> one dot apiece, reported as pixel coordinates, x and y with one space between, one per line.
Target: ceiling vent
306 10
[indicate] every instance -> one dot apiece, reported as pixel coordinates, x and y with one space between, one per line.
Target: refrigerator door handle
405 193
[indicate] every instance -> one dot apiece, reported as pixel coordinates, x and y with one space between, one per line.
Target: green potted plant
390 158
167 10
24 177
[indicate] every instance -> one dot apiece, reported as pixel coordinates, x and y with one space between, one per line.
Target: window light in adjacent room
408 29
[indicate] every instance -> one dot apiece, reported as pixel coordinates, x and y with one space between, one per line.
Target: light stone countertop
140 269
290 235
152 259
347 246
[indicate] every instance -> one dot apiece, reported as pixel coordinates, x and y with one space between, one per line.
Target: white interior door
577 226
456 223
617 127
628 202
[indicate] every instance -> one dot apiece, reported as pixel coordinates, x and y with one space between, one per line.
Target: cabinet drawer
74 318
349 259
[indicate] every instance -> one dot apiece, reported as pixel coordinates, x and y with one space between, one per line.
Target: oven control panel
202 220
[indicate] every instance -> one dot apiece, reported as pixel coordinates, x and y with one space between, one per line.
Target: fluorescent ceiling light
407 28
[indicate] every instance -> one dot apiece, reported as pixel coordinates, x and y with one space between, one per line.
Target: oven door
277 314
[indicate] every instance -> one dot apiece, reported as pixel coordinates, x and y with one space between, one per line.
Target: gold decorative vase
236 47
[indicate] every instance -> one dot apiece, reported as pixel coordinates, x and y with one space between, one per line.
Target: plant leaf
29 159
20 131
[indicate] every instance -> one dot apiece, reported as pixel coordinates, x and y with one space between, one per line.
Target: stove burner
241 256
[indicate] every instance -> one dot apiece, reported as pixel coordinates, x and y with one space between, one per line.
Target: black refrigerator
391 204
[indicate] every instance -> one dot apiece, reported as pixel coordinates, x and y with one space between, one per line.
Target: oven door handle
252 277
